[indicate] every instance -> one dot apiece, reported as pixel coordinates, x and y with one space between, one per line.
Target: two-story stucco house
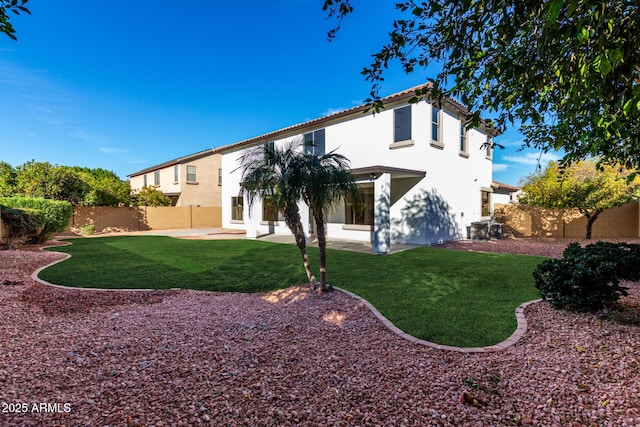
193 180
423 176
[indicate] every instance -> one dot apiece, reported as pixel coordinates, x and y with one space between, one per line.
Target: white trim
357 227
401 144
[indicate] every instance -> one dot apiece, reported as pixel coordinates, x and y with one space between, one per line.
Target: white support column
382 214
249 220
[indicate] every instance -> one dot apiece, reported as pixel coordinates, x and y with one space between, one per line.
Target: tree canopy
7 179
15 7
77 185
569 70
150 196
583 185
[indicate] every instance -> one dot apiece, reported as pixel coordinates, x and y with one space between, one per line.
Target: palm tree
276 175
327 182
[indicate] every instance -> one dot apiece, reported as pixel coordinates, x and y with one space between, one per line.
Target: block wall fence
142 218
530 221
521 220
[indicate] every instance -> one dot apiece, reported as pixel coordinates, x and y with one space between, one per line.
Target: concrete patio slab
345 245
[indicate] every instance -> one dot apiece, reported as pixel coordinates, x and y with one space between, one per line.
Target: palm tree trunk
292 219
322 250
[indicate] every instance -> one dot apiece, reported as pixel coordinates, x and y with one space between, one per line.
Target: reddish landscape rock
292 358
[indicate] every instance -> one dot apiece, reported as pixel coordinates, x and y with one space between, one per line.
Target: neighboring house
423 176
194 180
504 193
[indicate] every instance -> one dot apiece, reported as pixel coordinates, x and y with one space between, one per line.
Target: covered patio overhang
374 172
384 196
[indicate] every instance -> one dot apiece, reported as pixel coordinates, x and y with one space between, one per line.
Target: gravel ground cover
546 247
292 357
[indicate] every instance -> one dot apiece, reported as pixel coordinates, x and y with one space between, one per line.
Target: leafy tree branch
14 6
568 70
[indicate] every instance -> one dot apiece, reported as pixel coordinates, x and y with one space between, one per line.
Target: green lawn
449 297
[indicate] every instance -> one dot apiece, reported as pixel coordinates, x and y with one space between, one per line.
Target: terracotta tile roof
173 162
315 123
499 185
296 129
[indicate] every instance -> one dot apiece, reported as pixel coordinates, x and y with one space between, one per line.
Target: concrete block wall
146 218
531 221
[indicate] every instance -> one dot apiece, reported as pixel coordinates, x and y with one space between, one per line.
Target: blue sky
124 86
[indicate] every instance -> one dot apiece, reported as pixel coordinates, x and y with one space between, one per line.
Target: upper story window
156 178
489 146
268 148
314 142
402 124
176 173
219 176
463 136
191 174
144 180
435 125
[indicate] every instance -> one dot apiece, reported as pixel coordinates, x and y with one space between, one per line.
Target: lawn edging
521 329
35 278
513 338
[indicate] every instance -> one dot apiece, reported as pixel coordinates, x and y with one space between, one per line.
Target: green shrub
150 196
57 214
21 224
588 278
88 230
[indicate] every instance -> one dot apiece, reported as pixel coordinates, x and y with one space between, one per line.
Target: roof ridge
336 115
285 130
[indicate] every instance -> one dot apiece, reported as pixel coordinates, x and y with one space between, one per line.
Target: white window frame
366 215
237 206
436 127
312 144
402 124
489 147
192 172
463 136
485 213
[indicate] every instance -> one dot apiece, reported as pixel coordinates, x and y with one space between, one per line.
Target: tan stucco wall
146 218
204 192
530 221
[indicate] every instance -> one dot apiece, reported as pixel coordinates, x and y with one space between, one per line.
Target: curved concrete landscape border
34 276
517 334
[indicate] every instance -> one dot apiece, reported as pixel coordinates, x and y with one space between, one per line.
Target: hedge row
21 224
54 214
